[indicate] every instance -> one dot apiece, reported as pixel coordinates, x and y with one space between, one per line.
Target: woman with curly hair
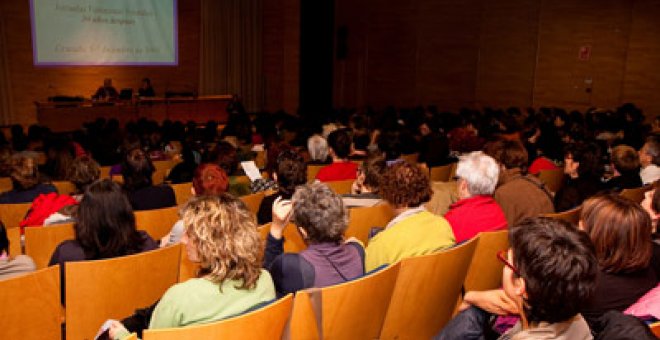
414 231
221 235
321 218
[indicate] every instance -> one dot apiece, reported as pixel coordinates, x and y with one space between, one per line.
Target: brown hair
510 153
24 173
621 232
225 234
625 158
83 171
210 179
373 169
406 185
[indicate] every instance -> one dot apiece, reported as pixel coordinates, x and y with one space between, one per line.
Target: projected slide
104 32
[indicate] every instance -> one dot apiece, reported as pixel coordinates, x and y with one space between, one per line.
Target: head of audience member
650 152
209 179
651 203
317 147
319 213
105 225
621 232
137 170
582 160
389 143
510 154
625 159
370 174
4 241
551 269
222 236
405 186
59 158
290 172
339 142
5 160
477 174
83 171
24 173
225 155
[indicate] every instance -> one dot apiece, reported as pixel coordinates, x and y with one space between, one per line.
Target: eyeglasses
502 256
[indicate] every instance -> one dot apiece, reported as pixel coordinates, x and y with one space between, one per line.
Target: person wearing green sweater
221 235
414 231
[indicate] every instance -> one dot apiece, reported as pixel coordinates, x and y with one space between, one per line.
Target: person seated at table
221 235
414 231
10 265
146 90
26 182
106 92
549 273
476 211
137 170
321 219
341 168
290 172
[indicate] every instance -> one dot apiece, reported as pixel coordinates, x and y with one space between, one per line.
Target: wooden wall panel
30 83
507 54
642 77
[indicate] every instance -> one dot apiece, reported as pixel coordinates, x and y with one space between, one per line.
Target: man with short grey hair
649 159
476 211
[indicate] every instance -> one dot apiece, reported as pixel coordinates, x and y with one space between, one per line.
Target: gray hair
480 171
317 147
320 212
653 149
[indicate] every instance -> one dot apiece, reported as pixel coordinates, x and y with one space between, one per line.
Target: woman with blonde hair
221 235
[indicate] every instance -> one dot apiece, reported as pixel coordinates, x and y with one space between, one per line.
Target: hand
282 211
116 328
493 301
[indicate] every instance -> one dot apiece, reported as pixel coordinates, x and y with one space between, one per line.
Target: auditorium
329 169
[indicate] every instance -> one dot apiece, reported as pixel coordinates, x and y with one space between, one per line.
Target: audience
625 163
476 211
628 261
365 191
26 182
582 173
137 170
549 273
341 168
221 235
414 231
208 179
105 228
11 266
649 159
317 147
183 172
321 219
290 172
518 194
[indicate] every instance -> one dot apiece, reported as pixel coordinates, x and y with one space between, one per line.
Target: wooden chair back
253 201
265 323
12 214
260 159
31 306
105 172
340 187
361 220
441 173
293 242
64 187
636 194
312 171
553 179
14 237
485 270
114 288
162 168
303 323
5 184
426 292
411 158
157 222
655 329
572 215
40 242
182 192
355 309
